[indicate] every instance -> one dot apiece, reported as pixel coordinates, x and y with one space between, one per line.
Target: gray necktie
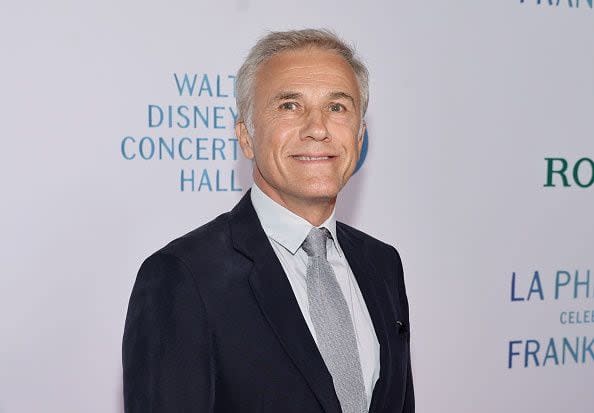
333 325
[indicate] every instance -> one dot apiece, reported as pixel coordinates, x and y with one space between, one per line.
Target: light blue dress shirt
286 232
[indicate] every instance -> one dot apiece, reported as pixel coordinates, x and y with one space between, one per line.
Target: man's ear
245 140
360 137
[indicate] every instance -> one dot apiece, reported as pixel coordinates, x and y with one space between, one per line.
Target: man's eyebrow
342 95
287 96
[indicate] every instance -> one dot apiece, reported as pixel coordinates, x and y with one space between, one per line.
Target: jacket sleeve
409 396
167 345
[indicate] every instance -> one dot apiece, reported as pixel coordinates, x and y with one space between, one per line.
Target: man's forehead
306 58
289 72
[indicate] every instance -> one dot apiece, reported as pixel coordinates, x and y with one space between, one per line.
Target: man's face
307 131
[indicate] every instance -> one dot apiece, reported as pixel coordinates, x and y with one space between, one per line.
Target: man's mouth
312 157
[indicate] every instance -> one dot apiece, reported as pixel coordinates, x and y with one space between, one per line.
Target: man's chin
320 193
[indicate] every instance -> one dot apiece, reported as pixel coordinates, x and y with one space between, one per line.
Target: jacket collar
278 303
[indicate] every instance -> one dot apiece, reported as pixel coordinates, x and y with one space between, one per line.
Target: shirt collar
284 226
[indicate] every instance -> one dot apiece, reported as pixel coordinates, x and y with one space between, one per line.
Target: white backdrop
468 98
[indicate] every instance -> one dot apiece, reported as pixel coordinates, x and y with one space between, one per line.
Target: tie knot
315 242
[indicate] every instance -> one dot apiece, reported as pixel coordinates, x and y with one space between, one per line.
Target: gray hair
277 42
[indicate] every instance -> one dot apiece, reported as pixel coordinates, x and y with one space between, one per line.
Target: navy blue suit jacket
213 326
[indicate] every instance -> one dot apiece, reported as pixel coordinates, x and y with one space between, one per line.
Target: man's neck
314 211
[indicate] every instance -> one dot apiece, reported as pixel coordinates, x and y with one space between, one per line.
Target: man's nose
315 126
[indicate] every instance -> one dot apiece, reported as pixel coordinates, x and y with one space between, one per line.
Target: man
275 306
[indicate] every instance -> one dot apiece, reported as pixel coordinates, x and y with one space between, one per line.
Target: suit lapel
275 297
375 294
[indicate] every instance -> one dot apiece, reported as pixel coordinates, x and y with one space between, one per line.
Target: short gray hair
277 42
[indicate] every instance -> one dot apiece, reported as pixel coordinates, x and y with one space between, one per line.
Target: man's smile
313 157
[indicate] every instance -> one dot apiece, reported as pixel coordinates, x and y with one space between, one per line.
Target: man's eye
288 106
337 107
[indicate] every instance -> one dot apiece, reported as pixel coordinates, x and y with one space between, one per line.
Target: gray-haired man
275 306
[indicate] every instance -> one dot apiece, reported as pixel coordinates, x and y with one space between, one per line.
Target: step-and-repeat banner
117 136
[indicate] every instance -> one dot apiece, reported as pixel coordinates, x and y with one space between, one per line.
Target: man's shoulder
215 245
371 244
208 240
